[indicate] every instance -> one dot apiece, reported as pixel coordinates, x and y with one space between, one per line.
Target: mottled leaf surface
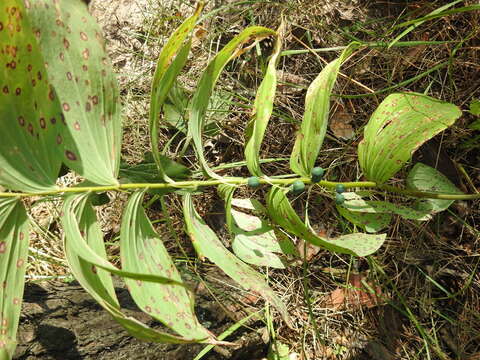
171 61
81 73
427 179
315 118
370 222
282 213
208 245
142 251
355 203
262 109
13 260
30 114
399 126
86 256
237 46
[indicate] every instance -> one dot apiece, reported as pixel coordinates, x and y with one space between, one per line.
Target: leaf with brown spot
80 72
29 157
399 126
14 231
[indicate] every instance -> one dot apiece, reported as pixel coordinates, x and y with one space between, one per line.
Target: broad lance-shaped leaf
87 258
207 244
171 61
282 213
13 260
355 203
427 179
82 75
30 114
370 222
315 118
262 109
399 126
207 83
254 241
142 251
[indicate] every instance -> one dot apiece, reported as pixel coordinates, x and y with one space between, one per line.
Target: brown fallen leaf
340 123
356 295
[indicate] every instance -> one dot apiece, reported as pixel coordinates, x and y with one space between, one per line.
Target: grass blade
315 118
13 260
207 83
262 108
171 61
282 213
142 251
207 244
399 126
30 114
86 86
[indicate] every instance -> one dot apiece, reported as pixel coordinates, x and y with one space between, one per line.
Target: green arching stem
243 181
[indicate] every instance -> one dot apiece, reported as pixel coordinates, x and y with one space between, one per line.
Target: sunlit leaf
355 203
237 46
399 126
262 109
315 118
142 251
30 114
282 213
86 256
254 240
85 84
427 179
207 244
368 221
171 61
13 261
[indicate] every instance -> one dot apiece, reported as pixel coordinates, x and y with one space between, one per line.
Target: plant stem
235 181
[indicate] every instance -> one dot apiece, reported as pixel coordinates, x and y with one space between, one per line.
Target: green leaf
254 241
475 107
171 61
262 109
13 260
427 179
207 244
355 203
207 83
78 68
369 222
142 251
315 118
282 213
86 256
30 114
399 126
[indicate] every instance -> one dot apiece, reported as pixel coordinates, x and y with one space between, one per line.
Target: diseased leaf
79 70
207 244
171 61
13 261
399 126
142 251
206 84
86 256
262 108
427 179
355 203
368 221
282 213
315 119
30 114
